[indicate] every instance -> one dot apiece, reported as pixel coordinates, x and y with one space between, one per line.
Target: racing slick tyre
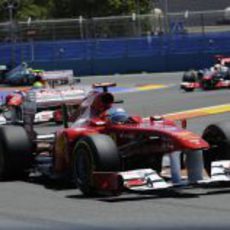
93 153
218 136
15 152
189 76
207 84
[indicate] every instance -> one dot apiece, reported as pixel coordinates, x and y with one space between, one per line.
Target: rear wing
58 77
55 97
223 60
49 98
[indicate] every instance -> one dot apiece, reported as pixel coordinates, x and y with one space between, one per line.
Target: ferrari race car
216 77
45 102
106 150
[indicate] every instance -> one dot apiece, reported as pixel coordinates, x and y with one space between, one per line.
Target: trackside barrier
121 55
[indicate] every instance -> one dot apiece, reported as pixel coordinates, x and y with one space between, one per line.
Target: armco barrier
109 56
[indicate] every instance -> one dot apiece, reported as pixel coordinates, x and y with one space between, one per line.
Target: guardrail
109 56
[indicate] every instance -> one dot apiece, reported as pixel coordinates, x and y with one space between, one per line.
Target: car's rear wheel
93 153
207 84
15 152
190 76
218 136
2 163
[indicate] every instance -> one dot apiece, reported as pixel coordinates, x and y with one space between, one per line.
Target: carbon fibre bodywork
138 140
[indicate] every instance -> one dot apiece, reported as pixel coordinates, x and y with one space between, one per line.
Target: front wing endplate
143 180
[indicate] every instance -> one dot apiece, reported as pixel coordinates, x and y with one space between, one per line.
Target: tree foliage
46 9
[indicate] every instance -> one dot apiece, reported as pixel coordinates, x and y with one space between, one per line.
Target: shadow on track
52 184
190 192
131 196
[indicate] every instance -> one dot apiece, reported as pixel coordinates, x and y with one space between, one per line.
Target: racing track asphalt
44 205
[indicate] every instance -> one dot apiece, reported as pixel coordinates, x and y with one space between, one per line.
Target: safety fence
107 56
116 26
118 44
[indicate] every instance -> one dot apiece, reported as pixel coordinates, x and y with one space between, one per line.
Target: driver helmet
117 115
17 91
217 67
37 85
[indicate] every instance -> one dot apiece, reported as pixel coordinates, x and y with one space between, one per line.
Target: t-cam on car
104 150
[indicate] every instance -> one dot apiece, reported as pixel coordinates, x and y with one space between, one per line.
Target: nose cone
191 141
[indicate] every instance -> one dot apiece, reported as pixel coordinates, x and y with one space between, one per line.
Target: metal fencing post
81 20
202 23
11 5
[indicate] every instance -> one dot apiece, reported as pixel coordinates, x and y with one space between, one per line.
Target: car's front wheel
93 153
15 151
218 136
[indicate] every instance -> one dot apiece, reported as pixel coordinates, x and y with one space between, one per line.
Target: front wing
141 180
187 86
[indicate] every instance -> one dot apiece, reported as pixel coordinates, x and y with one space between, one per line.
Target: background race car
23 75
216 77
20 75
44 101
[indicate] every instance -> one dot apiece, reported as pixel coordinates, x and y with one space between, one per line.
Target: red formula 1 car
105 149
216 77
